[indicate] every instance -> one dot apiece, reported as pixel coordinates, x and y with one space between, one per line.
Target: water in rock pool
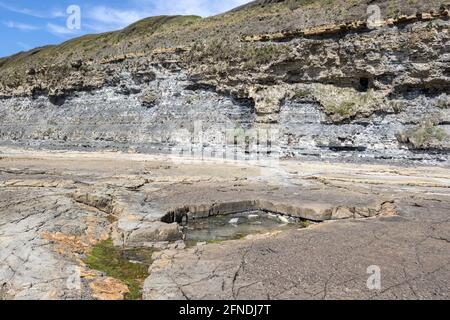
236 226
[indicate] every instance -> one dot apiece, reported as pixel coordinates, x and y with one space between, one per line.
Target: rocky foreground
110 142
56 208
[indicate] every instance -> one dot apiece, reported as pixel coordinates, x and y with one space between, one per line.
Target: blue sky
26 24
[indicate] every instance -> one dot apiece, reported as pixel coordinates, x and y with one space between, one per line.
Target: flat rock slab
329 261
54 207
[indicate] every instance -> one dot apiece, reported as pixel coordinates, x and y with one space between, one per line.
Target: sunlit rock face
182 117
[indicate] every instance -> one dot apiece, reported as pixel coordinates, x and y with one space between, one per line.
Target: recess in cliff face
188 157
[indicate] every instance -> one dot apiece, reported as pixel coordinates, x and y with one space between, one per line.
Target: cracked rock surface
54 207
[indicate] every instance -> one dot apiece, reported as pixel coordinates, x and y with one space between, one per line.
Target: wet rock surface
56 207
220 228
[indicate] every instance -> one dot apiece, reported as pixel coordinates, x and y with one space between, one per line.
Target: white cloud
102 18
20 26
24 46
106 17
32 13
58 13
202 8
60 30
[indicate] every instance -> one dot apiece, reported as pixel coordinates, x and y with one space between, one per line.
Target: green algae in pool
127 265
236 226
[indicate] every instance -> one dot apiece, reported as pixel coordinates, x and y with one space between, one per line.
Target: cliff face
321 85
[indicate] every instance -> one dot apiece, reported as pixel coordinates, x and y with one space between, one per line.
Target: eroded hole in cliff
364 84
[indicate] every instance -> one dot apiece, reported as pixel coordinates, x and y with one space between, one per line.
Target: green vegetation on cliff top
168 31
